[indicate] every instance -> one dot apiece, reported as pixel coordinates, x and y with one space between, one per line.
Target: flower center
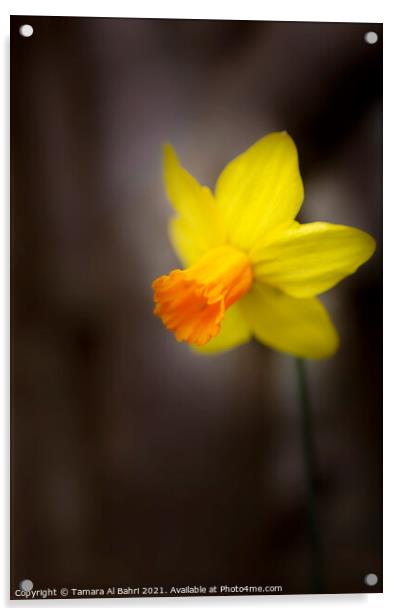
192 302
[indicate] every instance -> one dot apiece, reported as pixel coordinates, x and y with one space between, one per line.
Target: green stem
310 472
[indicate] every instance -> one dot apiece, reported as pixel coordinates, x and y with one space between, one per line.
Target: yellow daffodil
251 268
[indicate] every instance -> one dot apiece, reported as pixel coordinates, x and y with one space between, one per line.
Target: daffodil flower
251 268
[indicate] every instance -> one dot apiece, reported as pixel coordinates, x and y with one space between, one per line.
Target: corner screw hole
26 585
371 38
26 30
371 579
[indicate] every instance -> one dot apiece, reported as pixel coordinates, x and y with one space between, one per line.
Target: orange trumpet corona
192 302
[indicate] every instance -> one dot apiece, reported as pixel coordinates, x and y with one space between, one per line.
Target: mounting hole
371 579
26 30
371 38
26 585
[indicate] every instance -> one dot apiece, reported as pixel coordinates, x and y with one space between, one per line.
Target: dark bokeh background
133 460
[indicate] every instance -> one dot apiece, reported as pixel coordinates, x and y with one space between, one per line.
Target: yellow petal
198 227
301 327
234 331
305 260
260 190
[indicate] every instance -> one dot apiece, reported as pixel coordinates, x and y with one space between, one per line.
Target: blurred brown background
135 462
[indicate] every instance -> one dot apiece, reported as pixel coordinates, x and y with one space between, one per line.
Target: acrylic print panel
196 373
